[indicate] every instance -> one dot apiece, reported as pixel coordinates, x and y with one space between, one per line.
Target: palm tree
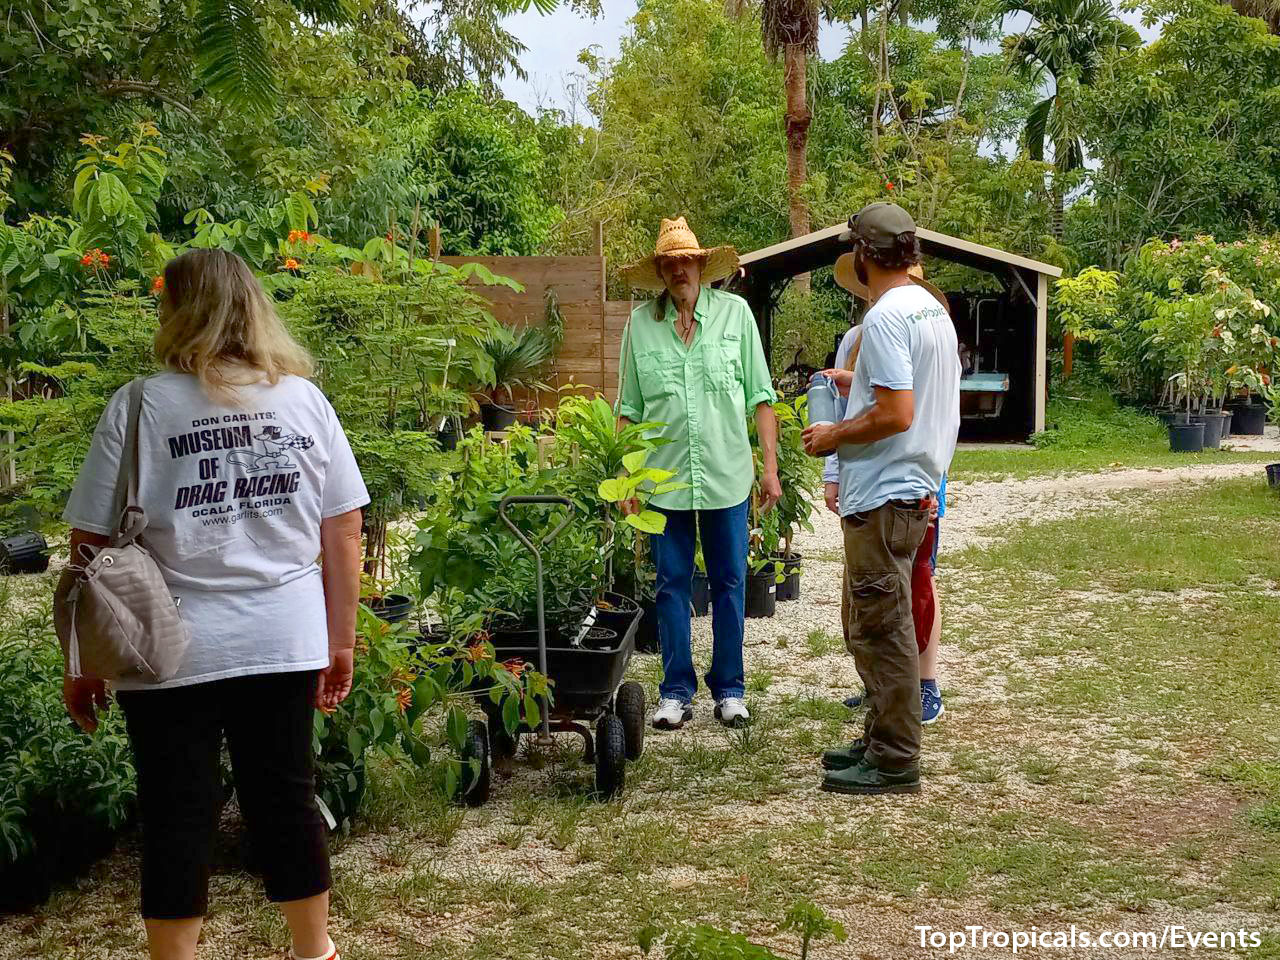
789 28
1067 40
1268 10
234 65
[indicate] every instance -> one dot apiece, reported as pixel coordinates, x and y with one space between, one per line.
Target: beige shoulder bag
115 616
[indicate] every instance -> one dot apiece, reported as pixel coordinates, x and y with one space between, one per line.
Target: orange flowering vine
299 236
292 263
157 285
889 185
96 259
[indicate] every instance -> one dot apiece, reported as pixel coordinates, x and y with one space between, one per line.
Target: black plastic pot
393 608
495 416
1249 420
647 636
762 593
1186 437
447 436
700 599
1212 429
24 885
24 553
1273 474
617 613
1167 416
789 588
600 638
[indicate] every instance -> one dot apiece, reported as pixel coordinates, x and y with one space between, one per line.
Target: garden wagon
585 666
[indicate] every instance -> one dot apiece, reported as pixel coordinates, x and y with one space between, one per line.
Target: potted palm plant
519 358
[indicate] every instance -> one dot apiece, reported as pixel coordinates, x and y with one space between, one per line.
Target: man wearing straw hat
692 362
895 442
924 604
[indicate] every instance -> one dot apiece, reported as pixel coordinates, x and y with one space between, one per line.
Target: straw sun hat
675 239
847 277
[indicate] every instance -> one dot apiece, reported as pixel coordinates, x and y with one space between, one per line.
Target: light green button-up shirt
701 394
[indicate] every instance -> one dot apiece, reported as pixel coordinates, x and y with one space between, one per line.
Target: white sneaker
672 714
732 712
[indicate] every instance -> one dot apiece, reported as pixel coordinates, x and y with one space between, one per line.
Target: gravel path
978 513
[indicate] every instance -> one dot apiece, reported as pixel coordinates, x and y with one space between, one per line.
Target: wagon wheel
611 756
629 706
475 783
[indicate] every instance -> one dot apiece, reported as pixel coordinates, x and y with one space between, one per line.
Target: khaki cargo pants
879 548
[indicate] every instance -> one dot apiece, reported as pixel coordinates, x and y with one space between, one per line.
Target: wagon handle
532 501
544 731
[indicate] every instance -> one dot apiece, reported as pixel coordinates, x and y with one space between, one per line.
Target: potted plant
800 475
1181 336
764 570
518 358
1248 349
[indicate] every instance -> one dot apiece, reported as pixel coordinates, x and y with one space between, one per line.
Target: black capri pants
177 736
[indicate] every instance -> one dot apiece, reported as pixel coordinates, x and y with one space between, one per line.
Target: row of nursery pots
1201 431
764 588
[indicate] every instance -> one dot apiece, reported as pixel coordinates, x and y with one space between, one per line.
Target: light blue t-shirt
909 344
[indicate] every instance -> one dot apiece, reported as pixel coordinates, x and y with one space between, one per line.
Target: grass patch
1087 431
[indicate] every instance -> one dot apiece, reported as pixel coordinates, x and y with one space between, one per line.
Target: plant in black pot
518 357
599 462
1248 348
764 569
1181 337
801 476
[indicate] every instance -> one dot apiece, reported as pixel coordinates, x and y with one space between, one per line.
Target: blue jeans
724 548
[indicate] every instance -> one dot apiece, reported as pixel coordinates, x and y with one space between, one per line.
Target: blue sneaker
931 707
855 702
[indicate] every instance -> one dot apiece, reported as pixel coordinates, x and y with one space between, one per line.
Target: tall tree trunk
798 119
1058 208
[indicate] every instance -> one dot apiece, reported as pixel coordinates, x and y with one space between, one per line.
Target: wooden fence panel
588 360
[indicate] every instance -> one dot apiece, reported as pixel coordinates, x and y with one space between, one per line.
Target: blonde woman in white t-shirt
246 478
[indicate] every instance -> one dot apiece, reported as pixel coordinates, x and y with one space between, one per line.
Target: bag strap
125 499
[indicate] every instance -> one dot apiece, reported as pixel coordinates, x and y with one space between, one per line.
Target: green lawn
1090 433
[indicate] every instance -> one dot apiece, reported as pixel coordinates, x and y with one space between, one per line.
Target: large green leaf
614 490
455 726
232 60
648 521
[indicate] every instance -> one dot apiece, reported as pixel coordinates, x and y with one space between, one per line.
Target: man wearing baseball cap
894 445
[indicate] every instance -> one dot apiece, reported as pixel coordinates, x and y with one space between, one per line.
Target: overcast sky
555 41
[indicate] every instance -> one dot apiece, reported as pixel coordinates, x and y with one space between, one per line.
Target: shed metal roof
821 248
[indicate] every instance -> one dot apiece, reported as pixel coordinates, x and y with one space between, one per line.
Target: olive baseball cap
878 225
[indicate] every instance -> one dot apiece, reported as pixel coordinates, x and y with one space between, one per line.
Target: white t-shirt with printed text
234 496
908 343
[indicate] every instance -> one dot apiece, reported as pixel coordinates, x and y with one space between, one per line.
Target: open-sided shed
1004 396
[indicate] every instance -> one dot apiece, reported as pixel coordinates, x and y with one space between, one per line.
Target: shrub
64 794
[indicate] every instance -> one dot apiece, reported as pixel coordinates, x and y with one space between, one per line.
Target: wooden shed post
433 241
1042 346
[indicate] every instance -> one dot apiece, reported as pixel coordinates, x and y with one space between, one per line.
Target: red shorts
923 604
